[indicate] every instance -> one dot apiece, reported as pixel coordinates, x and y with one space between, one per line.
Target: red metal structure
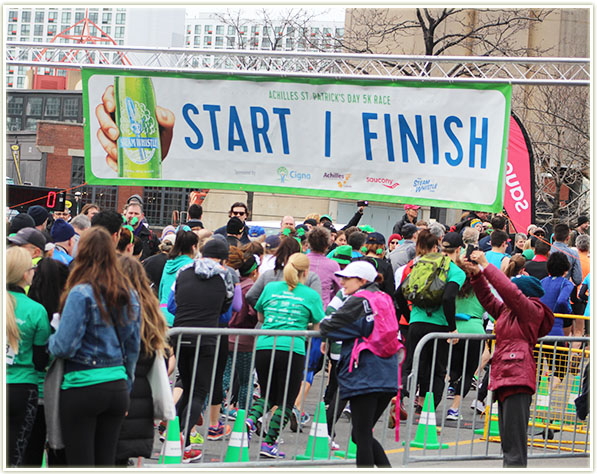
90 34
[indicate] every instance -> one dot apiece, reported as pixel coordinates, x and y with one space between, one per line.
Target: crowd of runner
100 290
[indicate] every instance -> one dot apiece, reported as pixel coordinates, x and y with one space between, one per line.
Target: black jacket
154 267
398 225
150 242
136 434
244 238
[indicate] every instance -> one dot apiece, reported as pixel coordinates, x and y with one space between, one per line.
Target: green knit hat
342 254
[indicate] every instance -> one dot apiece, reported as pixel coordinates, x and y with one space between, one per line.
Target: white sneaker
478 405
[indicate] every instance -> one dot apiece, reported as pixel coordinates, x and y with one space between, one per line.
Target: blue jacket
373 374
87 342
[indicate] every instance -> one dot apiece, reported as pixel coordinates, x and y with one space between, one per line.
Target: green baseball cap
342 254
325 216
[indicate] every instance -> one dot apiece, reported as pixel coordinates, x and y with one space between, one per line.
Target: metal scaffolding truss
452 69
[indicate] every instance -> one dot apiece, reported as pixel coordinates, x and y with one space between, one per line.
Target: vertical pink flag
519 199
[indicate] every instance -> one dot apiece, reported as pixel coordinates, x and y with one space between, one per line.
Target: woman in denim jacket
99 337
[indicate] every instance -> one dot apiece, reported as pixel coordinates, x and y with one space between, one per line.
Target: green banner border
496 206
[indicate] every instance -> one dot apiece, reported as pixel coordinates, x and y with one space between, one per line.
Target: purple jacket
519 322
246 318
325 268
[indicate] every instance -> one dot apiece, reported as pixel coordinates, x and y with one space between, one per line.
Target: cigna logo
387 182
285 174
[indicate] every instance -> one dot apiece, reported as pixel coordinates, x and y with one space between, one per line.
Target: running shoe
230 413
478 405
191 454
334 446
162 431
452 414
250 427
271 451
305 418
451 393
346 412
215 433
294 417
196 438
474 382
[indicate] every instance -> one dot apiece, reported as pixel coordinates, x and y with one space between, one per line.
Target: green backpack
424 286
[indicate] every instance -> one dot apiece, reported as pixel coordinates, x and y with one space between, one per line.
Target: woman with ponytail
136 435
516 266
283 305
27 331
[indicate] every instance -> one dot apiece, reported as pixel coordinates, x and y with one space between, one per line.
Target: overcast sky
332 13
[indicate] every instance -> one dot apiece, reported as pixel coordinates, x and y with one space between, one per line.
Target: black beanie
235 226
20 221
39 214
216 248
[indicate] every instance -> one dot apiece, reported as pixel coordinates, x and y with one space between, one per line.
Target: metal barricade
554 429
294 444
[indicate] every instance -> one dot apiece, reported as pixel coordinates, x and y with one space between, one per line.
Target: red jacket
519 322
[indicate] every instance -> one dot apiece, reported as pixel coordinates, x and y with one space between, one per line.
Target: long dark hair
48 283
287 247
183 245
96 264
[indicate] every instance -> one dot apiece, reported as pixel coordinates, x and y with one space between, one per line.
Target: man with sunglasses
240 210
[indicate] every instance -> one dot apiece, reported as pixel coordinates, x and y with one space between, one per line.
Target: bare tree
559 118
449 31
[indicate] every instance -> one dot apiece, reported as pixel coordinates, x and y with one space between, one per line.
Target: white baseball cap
359 269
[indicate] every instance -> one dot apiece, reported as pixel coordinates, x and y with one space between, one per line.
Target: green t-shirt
419 315
470 305
288 310
84 378
34 329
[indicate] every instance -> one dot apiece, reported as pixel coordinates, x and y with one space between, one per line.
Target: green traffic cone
426 435
352 451
318 446
172 450
238 445
490 427
574 393
44 460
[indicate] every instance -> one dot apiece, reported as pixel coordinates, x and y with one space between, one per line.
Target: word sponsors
369 140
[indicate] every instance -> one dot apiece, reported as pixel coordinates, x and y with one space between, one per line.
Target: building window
52 107
107 30
208 30
38 30
31 124
106 197
206 41
13 124
79 16
25 30
78 29
15 105
20 82
120 18
255 29
197 29
289 43
119 32
219 42
265 31
220 30
52 16
94 16
13 15
12 28
106 17
278 30
230 42
160 202
266 43
34 106
231 30
339 32
39 16
66 16
26 16
70 107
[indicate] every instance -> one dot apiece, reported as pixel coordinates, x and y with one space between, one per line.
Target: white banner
395 142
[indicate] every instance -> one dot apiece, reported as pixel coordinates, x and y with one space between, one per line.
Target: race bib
10 355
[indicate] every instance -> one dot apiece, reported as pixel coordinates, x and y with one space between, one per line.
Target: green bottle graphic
139 149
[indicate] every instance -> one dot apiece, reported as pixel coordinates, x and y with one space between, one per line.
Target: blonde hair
297 266
312 216
153 323
18 261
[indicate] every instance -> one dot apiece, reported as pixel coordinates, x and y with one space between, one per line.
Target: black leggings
285 364
21 411
366 410
470 365
416 332
91 418
331 395
218 394
205 365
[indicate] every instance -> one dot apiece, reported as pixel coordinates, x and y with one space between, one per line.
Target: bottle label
138 129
